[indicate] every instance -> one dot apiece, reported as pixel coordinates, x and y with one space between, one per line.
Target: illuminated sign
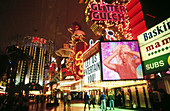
79 48
91 65
38 40
91 42
121 60
79 62
91 69
110 35
154 46
111 12
113 16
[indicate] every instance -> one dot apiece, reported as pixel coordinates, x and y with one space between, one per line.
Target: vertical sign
79 48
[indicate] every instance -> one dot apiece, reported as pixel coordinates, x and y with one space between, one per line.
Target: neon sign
79 62
39 40
79 48
111 12
113 16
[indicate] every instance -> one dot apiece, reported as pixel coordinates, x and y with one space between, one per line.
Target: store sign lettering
156 31
158 44
156 64
91 69
110 12
38 40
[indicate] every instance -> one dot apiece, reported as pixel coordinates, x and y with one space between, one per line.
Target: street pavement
73 107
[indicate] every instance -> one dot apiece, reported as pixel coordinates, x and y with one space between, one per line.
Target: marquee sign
91 65
154 46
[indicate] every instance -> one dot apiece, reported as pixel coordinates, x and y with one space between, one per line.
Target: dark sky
52 18
157 8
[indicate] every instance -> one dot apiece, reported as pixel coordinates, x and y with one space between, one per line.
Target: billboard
154 46
91 65
120 60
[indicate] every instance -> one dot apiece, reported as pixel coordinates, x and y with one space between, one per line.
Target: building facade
34 69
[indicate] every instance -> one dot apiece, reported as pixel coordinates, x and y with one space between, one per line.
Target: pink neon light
102 7
110 12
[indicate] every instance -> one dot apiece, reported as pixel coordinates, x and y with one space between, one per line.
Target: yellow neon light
79 62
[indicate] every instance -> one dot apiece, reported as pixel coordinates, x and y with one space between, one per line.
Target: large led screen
121 60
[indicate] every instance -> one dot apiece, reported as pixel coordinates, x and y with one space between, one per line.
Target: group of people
14 103
90 99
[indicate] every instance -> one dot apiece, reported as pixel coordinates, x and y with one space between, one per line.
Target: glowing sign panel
111 12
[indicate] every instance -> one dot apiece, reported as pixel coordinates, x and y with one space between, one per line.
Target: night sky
50 19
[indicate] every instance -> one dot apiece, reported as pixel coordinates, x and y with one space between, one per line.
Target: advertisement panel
120 60
91 65
154 46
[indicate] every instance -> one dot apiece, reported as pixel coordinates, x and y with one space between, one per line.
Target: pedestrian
103 101
127 99
65 99
97 98
111 101
69 99
86 100
119 97
37 100
92 99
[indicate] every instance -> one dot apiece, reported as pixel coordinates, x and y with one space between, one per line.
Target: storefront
98 78
154 46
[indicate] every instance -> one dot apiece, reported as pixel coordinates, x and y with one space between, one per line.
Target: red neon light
150 15
39 40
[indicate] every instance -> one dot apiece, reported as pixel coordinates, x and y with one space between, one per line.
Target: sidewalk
74 107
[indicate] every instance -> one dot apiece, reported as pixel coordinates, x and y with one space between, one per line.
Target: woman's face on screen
123 56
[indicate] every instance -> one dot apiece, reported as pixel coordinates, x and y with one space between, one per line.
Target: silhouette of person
86 100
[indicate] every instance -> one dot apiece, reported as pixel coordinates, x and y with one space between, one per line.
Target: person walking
111 101
92 99
119 98
69 99
65 99
86 100
97 99
103 101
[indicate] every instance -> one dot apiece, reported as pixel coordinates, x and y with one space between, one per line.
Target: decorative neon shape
110 35
79 62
